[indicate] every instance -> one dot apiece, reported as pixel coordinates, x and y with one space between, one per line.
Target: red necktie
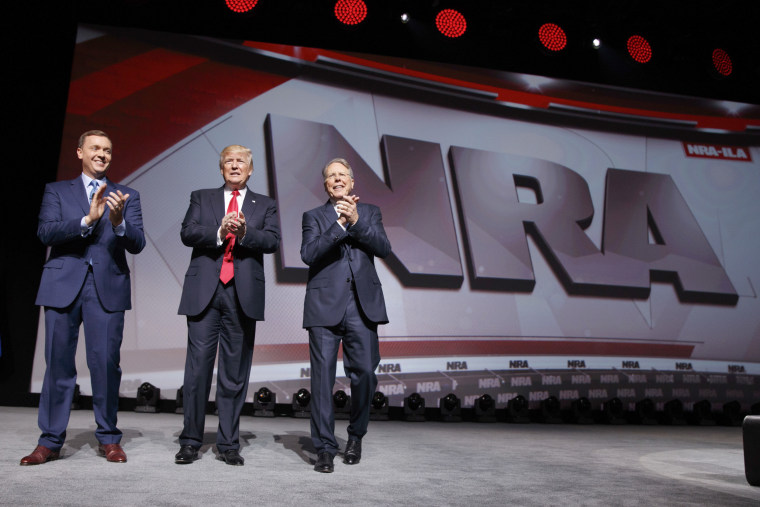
228 271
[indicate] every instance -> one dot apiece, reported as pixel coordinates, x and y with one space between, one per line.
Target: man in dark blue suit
223 297
344 303
85 280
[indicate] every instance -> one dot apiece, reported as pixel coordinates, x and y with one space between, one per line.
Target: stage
403 463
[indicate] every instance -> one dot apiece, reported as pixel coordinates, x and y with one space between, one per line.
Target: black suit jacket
199 231
335 257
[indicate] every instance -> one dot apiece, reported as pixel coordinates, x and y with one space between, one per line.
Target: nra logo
519 363
389 368
736 368
739 153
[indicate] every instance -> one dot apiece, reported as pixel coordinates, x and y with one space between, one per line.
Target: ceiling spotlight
722 62
639 49
451 23
350 12
596 43
405 18
552 37
241 6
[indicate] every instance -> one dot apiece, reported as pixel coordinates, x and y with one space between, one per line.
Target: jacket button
348 280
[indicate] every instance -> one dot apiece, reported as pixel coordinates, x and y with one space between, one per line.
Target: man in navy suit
85 280
344 303
223 297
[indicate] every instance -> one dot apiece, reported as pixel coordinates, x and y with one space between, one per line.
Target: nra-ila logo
738 153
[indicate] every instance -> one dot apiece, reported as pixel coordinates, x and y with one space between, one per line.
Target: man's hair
233 148
89 133
341 161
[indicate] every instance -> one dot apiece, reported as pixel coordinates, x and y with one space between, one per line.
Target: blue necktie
94 184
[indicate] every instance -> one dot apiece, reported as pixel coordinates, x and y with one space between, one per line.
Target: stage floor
403 463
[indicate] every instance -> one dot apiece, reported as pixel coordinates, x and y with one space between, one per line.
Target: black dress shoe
324 463
231 457
353 453
187 454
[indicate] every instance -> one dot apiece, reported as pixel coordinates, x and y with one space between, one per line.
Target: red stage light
241 6
451 23
350 12
639 48
552 37
722 62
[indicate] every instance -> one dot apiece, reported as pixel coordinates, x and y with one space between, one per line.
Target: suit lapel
249 204
329 215
217 204
80 194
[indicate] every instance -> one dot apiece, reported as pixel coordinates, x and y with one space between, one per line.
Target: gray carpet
404 463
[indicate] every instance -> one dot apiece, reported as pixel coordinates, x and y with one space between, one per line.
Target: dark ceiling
501 34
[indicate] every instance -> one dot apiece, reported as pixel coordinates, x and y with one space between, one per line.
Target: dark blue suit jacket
199 231
63 206
335 256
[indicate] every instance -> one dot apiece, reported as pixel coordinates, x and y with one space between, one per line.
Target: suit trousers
103 331
361 356
222 324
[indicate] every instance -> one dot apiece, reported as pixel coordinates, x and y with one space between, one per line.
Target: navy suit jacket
63 206
199 231
335 257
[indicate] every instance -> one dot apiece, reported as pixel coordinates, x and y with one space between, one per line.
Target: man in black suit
223 297
344 303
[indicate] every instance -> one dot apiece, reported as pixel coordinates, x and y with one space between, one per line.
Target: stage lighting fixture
451 23
414 407
241 6
405 18
701 414
147 398
596 43
672 412
485 409
732 414
302 404
341 404
613 411
179 403
350 12
550 411
264 402
646 411
552 37
378 408
517 410
451 408
582 413
639 48
722 62
76 400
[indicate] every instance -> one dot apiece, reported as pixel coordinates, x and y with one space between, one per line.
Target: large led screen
549 238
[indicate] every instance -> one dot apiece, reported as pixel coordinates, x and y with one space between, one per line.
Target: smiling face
236 168
95 155
339 181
